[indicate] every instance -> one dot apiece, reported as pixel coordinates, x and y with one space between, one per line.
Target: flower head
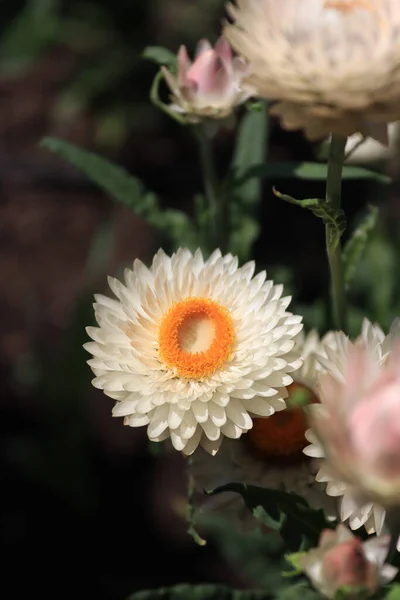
360 426
269 455
347 481
211 86
344 561
330 66
193 348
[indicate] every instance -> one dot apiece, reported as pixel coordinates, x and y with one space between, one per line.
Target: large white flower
270 455
329 65
193 348
358 513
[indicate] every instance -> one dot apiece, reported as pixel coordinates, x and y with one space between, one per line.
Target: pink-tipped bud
212 86
342 560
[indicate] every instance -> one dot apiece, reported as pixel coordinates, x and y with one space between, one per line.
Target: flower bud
211 86
342 560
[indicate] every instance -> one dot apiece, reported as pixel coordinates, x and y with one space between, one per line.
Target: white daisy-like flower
351 509
193 349
328 65
270 454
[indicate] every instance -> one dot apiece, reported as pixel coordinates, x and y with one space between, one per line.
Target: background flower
353 507
192 348
330 66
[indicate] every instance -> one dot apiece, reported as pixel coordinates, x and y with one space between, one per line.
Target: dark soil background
87 511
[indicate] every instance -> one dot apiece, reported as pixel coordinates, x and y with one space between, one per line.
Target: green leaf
333 218
112 179
128 190
256 556
160 56
199 592
31 32
300 591
356 244
298 524
309 171
250 150
394 593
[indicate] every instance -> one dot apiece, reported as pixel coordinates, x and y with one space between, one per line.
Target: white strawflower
351 508
270 455
329 65
193 349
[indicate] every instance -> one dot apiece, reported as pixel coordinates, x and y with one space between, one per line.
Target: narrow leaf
250 150
309 171
333 218
199 592
298 524
160 56
128 190
356 244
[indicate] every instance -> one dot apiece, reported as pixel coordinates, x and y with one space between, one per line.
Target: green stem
210 182
392 525
333 197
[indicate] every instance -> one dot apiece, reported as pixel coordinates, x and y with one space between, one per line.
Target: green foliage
242 193
160 56
333 218
297 523
174 226
356 244
310 171
250 150
300 591
255 555
199 592
375 288
33 30
394 592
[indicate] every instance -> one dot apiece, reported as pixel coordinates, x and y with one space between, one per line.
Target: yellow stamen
196 337
282 435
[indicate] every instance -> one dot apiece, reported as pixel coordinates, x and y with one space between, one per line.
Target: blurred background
87 507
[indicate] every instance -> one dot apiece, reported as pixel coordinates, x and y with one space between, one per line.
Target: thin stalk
210 182
392 525
334 197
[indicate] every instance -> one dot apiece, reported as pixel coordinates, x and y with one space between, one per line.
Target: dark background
87 509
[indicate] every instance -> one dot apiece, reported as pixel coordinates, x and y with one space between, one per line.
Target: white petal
175 416
200 411
159 421
238 414
211 430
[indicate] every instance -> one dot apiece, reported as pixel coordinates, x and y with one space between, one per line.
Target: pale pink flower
358 424
212 85
343 560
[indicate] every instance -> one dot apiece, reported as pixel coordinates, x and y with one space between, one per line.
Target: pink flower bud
211 86
347 565
343 560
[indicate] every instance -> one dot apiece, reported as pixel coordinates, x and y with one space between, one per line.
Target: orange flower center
281 436
196 337
347 6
